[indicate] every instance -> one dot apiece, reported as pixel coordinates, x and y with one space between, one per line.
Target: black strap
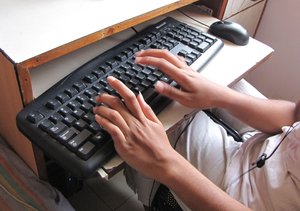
230 131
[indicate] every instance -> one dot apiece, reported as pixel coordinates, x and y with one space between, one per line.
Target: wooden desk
29 63
36 33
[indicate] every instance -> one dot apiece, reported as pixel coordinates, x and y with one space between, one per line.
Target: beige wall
280 29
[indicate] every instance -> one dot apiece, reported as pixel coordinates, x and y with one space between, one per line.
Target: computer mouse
230 31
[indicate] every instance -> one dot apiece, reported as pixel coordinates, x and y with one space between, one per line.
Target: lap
202 142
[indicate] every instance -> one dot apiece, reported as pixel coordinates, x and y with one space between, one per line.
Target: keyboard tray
61 122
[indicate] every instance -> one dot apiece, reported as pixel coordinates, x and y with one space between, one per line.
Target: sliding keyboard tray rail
61 122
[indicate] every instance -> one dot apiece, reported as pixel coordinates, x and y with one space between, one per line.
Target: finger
114 103
181 58
129 97
114 131
148 112
113 116
177 74
167 55
170 91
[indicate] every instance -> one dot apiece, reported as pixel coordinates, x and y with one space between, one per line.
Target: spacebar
159 103
149 94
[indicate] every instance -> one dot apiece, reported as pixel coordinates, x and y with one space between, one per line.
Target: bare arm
263 114
196 190
140 139
198 92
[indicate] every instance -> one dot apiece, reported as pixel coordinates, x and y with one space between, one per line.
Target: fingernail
159 85
137 59
111 78
141 96
139 52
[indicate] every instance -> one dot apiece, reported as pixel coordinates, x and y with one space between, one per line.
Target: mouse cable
260 162
194 19
134 30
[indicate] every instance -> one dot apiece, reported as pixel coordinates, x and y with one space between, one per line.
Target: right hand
196 91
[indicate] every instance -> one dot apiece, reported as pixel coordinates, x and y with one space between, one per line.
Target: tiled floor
102 195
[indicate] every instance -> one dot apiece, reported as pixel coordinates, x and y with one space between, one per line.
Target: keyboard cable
194 19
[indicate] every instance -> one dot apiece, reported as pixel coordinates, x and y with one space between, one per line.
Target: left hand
139 137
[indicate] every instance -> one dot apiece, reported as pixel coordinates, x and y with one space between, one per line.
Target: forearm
195 190
263 114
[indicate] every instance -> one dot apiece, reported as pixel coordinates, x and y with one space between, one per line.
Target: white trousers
202 142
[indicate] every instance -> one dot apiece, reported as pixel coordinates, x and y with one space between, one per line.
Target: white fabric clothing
275 186
205 144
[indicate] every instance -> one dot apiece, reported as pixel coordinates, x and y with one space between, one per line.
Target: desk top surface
31 28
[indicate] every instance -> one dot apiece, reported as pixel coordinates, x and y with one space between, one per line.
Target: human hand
196 91
139 137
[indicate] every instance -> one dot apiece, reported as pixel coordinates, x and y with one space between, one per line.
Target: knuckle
168 90
163 62
131 97
114 132
114 115
164 51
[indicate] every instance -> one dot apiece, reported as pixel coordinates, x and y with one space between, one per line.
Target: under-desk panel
46 75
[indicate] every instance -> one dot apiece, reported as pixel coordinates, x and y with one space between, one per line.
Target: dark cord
260 162
190 17
134 30
184 129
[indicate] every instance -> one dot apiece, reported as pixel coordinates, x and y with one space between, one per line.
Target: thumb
169 91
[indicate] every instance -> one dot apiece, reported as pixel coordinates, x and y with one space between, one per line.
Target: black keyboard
61 121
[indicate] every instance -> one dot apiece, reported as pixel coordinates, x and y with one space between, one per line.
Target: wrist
173 169
225 98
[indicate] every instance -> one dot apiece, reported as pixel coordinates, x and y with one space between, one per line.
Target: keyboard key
105 68
78 140
80 124
203 47
73 104
121 57
71 91
86 150
97 87
182 53
112 63
78 113
66 135
56 117
53 104
69 120
64 111
98 73
90 78
82 98
56 129
45 125
35 116
79 86
100 138
89 117
62 97
86 106
95 127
